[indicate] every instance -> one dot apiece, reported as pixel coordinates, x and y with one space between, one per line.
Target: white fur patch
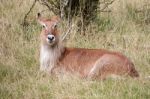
49 57
116 77
97 66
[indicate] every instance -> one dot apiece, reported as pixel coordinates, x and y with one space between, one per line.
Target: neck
49 56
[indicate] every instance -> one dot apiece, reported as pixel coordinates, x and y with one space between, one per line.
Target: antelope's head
49 34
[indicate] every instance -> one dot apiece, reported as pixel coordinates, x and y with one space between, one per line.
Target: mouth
50 42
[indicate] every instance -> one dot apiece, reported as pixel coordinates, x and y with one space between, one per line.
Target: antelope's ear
38 15
39 19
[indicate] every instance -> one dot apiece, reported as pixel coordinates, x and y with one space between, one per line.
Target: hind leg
106 66
97 71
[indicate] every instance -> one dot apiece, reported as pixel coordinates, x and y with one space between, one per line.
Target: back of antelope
88 63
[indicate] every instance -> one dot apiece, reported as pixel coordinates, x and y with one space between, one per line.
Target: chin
51 44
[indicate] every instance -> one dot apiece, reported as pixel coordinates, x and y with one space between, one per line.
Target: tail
133 72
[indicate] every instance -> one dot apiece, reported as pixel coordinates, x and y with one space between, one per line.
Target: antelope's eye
54 26
44 26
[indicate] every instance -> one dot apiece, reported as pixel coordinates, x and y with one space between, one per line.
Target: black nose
50 38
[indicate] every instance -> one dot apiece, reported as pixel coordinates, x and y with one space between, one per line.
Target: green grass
19 56
32 84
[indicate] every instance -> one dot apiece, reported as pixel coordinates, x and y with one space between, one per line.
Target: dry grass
19 66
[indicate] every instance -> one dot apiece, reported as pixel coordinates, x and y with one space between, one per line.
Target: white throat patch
49 57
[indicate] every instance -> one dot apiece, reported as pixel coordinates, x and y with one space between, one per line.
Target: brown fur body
87 63
82 61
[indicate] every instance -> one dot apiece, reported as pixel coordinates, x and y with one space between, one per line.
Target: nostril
50 37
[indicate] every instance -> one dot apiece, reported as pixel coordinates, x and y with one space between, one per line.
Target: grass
19 55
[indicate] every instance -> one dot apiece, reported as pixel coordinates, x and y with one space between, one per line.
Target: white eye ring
44 26
54 26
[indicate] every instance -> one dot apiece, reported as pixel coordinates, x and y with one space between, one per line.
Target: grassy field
122 30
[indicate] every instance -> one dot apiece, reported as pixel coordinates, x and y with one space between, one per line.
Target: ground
121 31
